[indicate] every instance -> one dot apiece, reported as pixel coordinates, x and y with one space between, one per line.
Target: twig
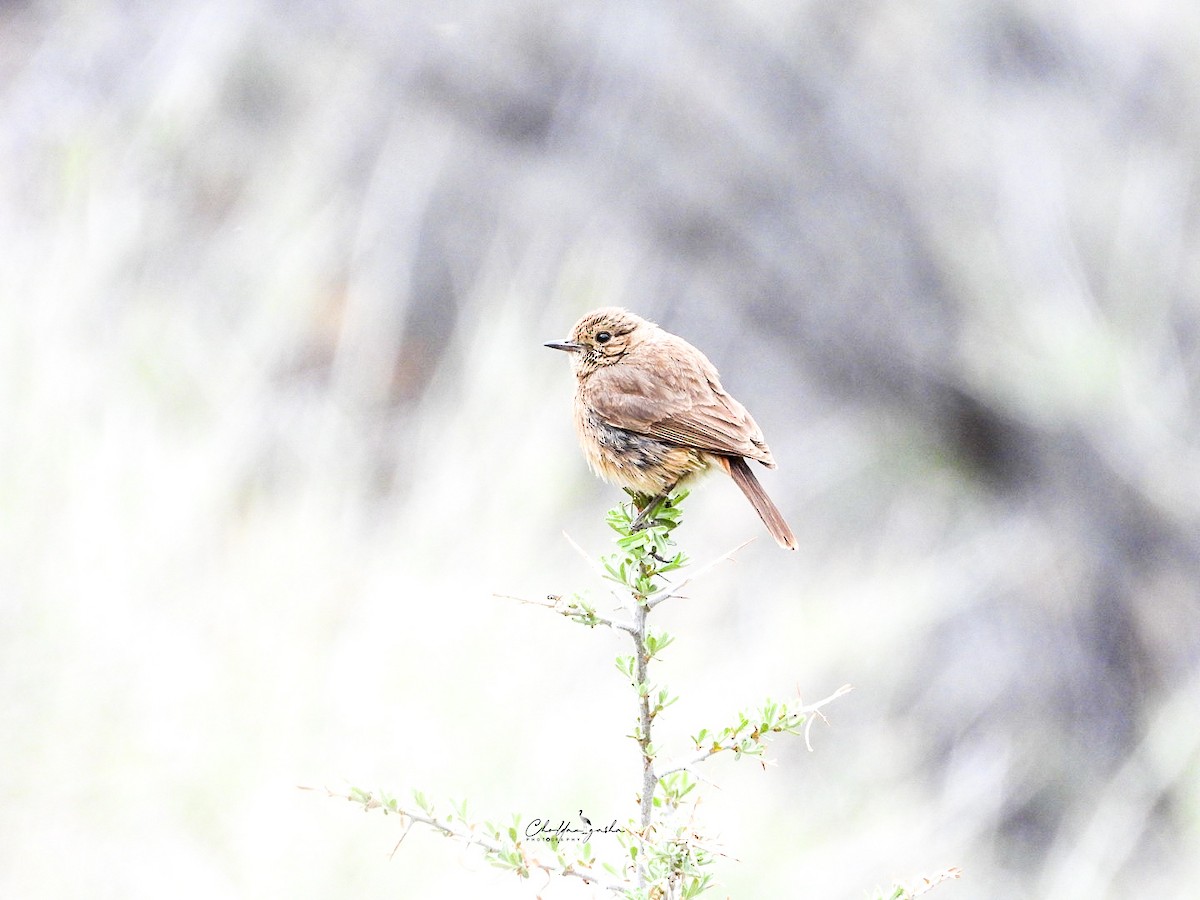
584 617
815 711
469 837
929 882
589 560
810 713
703 570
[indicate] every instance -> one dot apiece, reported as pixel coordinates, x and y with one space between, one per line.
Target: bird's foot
648 509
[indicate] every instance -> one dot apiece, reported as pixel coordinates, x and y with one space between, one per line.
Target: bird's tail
767 511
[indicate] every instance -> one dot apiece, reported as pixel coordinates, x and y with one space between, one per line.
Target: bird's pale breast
632 460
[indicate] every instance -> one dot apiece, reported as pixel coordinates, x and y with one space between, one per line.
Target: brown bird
650 413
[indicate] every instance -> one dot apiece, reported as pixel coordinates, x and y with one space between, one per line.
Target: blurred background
278 425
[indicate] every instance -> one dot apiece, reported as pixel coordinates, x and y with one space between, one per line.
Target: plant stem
649 779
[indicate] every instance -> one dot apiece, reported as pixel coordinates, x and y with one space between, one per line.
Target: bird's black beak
571 346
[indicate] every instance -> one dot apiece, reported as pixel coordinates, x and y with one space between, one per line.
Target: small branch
928 883
814 711
592 564
407 829
703 570
408 815
584 617
468 836
805 715
687 766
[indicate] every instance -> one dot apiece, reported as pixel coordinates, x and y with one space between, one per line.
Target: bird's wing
674 395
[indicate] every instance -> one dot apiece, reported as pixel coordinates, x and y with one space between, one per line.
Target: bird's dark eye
604 337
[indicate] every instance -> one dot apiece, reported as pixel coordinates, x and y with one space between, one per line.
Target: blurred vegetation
278 423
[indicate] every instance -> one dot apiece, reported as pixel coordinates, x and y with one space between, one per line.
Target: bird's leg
639 499
651 507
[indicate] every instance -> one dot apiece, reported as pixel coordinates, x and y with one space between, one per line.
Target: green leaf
419 798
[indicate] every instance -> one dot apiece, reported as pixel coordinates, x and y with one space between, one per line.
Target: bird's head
602 337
